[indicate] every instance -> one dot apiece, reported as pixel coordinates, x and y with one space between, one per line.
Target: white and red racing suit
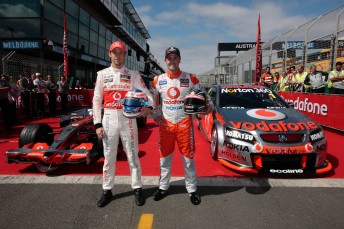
111 86
176 126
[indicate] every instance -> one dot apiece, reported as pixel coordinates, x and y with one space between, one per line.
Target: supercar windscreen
249 97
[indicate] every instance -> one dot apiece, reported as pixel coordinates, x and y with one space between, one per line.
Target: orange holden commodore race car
252 129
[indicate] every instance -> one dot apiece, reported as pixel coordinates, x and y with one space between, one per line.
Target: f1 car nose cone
265 114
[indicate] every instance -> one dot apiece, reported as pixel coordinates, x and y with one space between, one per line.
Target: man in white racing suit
111 86
175 125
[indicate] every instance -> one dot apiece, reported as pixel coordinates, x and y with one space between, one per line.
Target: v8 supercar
253 130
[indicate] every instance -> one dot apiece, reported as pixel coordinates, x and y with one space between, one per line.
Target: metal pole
306 41
286 46
333 64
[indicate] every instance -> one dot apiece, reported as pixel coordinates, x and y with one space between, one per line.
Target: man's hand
100 132
146 111
158 120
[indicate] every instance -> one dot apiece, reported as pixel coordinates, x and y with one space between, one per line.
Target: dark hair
339 63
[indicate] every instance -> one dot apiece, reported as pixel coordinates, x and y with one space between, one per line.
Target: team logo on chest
173 92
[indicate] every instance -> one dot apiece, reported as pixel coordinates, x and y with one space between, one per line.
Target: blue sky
197 26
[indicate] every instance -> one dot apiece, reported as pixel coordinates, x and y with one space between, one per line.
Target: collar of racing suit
117 69
173 75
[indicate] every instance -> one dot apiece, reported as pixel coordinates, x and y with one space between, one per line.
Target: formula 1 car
77 142
253 130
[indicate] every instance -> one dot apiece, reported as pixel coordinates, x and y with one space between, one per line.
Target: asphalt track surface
67 198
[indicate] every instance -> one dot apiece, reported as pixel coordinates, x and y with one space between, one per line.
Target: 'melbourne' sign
21 44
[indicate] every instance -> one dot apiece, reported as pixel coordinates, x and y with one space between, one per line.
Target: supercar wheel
214 143
38 132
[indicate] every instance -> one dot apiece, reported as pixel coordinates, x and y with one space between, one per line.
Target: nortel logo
286 171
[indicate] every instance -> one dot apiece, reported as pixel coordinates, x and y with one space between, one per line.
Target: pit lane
66 198
149 157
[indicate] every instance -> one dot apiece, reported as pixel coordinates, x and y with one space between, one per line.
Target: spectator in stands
284 83
291 79
27 86
4 104
275 80
300 77
281 81
336 80
63 91
267 78
52 88
13 95
315 81
41 88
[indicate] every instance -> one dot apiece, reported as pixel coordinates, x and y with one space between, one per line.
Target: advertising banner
326 109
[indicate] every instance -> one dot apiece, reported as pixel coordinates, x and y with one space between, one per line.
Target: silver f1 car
77 142
252 129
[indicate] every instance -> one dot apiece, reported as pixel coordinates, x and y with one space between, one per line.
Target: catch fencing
319 42
14 63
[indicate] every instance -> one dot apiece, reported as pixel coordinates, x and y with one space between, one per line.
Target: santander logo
265 114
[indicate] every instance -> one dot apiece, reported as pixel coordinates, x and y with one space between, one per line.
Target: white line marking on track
178 181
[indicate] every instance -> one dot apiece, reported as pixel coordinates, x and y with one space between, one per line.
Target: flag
258 71
65 49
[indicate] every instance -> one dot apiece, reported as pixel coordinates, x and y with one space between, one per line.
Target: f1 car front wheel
37 132
45 168
214 143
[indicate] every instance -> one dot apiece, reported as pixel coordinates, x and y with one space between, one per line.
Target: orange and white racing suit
176 126
111 86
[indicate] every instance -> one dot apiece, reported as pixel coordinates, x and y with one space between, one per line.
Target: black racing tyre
141 122
214 144
37 132
46 168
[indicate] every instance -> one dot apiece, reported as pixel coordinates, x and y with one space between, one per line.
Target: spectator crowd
300 80
32 92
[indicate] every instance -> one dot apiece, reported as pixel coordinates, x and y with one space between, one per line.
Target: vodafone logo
117 96
173 92
265 114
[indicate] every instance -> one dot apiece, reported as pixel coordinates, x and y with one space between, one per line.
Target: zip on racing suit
111 86
176 126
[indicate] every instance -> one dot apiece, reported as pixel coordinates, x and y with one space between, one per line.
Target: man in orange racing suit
112 85
175 125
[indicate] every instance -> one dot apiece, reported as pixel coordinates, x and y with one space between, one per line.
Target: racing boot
139 199
159 195
195 199
105 199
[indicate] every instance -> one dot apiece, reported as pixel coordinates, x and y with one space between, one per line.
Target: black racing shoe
195 199
105 199
139 199
159 195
